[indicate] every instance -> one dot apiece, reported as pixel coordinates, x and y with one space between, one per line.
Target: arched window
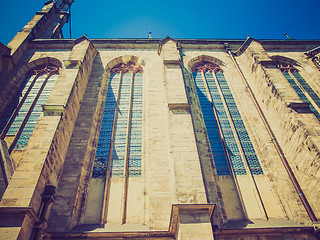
316 61
19 119
302 88
118 159
119 146
229 140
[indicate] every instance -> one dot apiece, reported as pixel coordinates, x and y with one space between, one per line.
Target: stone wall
296 133
177 165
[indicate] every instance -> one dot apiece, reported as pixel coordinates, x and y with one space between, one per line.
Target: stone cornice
237 45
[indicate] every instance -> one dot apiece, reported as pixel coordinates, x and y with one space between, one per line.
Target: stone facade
48 190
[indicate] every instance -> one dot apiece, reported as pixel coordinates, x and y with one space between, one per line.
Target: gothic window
228 137
119 146
316 61
20 118
302 88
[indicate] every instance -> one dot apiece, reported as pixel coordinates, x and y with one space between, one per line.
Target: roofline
182 40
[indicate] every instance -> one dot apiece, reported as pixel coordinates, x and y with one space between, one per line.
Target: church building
164 139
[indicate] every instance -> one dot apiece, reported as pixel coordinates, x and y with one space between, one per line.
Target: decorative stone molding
312 52
316 61
204 58
168 62
72 64
244 46
300 107
179 108
53 110
125 60
284 60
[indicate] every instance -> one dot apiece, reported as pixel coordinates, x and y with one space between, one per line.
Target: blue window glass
42 83
128 125
293 77
218 90
217 149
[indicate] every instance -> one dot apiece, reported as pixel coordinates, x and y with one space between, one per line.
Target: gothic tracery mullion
213 133
47 75
16 110
232 129
223 117
118 140
217 121
302 88
126 159
254 167
308 91
111 95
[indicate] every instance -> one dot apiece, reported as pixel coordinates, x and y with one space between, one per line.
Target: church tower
157 138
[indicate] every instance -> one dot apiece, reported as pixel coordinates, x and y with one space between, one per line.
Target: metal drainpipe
285 163
47 200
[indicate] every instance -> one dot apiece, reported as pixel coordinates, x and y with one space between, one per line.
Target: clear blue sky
179 19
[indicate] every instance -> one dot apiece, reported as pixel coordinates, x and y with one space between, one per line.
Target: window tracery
301 87
316 61
229 140
22 114
119 145
119 150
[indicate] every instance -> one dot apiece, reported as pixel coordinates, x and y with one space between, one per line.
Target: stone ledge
53 110
13 216
179 106
175 62
263 231
299 107
172 232
72 64
316 226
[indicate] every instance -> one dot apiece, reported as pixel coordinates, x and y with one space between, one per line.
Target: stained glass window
120 135
24 110
228 137
301 87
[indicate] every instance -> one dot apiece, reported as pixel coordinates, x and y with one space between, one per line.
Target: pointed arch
230 143
119 150
204 58
291 71
284 60
33 84
18 79
124 59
